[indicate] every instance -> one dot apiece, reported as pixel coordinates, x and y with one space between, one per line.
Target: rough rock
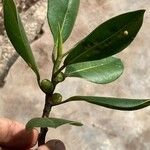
33 23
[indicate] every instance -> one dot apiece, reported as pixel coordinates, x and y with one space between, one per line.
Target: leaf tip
141 11
77 124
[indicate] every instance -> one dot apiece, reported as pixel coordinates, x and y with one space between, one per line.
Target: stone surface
33 19
103 129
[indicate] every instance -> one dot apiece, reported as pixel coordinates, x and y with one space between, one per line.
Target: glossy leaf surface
107 39
62 13
100 71
50 122
17 35
114 103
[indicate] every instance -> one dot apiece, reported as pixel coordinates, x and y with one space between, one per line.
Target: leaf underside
99 71
17 35
109 38
50 122
114 103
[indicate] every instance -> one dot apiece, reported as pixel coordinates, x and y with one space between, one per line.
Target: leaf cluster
91 59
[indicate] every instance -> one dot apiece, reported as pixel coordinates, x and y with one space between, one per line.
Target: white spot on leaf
126 33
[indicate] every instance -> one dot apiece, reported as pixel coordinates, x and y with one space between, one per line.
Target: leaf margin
69 7
35 122
142 103
112 61
30 60
73 51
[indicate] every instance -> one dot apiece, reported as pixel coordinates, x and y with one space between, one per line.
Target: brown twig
46 113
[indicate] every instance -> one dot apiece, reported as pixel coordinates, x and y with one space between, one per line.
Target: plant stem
48 104
46 113
58 71
48 99
54 54
65 54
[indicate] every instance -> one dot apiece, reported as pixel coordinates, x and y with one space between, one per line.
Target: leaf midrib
17 21
25 44
65 16
92 67
101 42
52 122
86 98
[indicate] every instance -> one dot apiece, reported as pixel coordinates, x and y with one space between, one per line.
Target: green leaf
63 13
113 103
107 39
17 35
100 71
60 44
50 122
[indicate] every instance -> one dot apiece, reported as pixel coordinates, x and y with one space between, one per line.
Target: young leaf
63 13
50 122
113 103
100 71
17 35
107 39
